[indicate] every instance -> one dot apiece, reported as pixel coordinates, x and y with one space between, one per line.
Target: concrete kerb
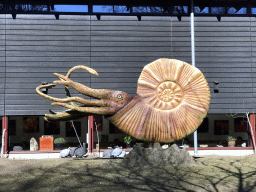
96 154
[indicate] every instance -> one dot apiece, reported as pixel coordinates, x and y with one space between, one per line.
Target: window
30 124
240 124
204 127
11 127
221 127
70 132
52 128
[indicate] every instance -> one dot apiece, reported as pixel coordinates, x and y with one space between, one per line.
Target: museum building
118 42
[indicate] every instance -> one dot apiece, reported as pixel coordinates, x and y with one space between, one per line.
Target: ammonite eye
119 96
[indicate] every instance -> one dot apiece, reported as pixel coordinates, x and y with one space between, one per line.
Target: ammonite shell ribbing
172 100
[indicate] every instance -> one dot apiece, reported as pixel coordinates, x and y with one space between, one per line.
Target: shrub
127 140
59 140
230 138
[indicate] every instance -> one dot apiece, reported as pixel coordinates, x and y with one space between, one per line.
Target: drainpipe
2 148
193 58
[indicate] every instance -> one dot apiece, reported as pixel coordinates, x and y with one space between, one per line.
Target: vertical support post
6 135
249 9
90 9
193 58
252 124
90 119
6 6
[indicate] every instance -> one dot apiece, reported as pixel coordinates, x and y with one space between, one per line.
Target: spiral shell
172 100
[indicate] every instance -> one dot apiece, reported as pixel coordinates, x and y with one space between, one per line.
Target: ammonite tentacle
172 99
90 70
96 93
90 110
64 116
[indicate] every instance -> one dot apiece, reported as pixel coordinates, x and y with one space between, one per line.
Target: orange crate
46 143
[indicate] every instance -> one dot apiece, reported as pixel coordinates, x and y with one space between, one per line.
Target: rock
116 152
107 153
122 154
140 157
178 156
156 146
65 153
17 148
137 157
33 144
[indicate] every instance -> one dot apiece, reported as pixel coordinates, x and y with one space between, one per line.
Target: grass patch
213 173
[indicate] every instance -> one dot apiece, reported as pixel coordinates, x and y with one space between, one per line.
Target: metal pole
72 123
252 132
193 58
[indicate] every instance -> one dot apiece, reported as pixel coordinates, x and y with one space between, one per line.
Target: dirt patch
14 166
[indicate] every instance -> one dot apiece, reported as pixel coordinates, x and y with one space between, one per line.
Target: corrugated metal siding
253 46
118 48
223 54
2 63
36 47
122 46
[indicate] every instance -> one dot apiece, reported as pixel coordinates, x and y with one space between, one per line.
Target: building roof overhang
167 8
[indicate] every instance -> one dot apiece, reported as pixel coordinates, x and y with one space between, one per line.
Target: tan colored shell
172 100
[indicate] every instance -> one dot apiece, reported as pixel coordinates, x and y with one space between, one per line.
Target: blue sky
99 8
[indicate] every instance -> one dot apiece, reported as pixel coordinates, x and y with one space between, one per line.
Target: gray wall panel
46 54
36 47
38 59
2 64
46 38
81 74
229 80
35 111
118 48
223 52
72 43
231 62
230 95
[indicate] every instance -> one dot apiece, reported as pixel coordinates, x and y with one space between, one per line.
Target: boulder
65 152
33 144
17 148
107 153
141 157
116 152
137 157
122 154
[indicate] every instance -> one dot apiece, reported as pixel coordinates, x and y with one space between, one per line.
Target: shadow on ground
79 175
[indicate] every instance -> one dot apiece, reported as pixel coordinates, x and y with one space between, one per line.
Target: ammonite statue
172 100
